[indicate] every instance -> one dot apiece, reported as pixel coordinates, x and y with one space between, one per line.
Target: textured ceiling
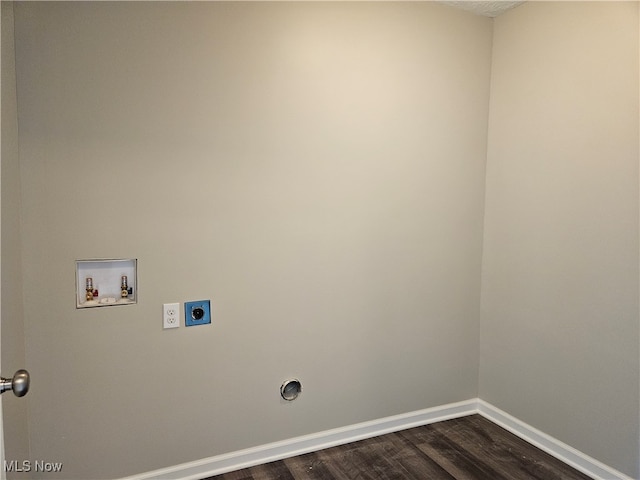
488 9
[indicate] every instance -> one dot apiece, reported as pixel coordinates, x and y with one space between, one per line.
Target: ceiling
488 9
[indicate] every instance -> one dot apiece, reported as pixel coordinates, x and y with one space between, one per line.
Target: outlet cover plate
197 313
170 315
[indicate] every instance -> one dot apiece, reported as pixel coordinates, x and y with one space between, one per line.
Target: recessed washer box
106 283
197 313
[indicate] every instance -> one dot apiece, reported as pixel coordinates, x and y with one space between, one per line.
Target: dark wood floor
468 448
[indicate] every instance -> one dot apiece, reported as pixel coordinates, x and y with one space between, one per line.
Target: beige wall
13 347
315 169
559 330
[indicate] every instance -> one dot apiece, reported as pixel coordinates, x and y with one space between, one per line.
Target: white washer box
106 282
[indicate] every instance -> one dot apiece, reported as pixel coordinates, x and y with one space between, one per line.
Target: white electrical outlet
171 315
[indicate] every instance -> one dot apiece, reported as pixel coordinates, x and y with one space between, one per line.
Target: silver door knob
19 383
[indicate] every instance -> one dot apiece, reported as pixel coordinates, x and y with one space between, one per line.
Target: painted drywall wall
315 169
559 328
14 409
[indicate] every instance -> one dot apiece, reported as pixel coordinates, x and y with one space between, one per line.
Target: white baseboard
562 451
308 443
270 452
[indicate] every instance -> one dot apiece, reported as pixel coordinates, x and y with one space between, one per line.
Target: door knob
19 383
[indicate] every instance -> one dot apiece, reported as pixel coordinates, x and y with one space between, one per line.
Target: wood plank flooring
468 448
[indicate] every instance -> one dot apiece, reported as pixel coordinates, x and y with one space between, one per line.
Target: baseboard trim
308 443
562 451
249 457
